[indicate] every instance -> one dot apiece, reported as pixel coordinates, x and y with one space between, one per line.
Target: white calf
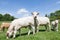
19 23
55 25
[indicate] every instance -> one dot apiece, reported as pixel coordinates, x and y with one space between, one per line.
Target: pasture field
41 35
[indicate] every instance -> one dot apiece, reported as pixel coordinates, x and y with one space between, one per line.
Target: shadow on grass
23 34
53 30
42 30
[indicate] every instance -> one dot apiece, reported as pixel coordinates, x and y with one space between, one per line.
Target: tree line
6 17
54 15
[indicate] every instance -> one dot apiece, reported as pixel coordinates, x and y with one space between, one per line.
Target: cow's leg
37 29
56 28
52 27
46 27
14 33
33 29
19 31
29 30
3 28
49 27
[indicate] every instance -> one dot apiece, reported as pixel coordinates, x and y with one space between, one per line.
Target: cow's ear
32 13
37 13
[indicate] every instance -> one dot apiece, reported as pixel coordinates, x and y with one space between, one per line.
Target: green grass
41 35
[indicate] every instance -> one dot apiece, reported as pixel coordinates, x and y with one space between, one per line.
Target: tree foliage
6 17
46 15
55 15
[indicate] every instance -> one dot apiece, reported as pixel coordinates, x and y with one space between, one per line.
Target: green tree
12 18
1 16
7 17
55 15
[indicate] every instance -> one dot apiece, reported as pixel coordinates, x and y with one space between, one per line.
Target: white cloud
25 15
58 2
23 12
20 11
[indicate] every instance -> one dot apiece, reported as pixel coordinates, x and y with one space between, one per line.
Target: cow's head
35 14
9 34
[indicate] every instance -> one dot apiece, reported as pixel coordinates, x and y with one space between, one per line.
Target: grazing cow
4 25
20 23
54 25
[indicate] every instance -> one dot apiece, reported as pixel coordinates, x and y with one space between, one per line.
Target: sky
24 8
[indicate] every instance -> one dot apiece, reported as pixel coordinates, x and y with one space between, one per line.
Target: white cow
55 25
35 15
22 22
43 21
19 23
